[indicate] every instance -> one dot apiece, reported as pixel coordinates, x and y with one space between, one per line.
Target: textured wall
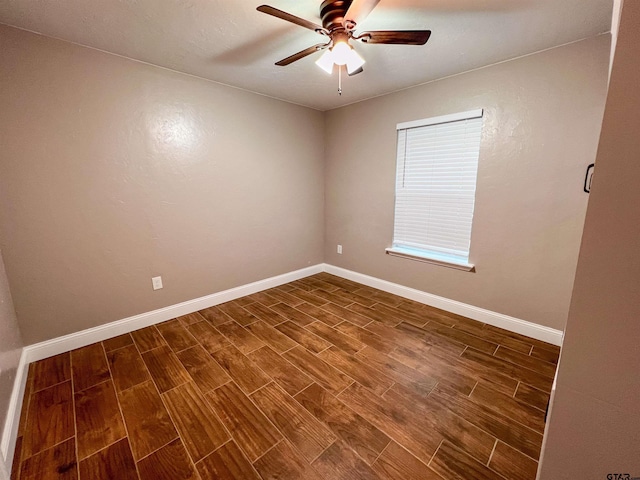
542 118
114 171
594 423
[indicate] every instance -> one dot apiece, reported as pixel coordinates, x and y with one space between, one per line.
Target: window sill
397 252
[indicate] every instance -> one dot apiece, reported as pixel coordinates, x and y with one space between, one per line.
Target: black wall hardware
588 177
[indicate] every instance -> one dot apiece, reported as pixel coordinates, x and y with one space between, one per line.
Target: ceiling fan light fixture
354 62
341 53
339 19
325 62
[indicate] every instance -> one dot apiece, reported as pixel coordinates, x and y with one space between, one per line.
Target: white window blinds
435 186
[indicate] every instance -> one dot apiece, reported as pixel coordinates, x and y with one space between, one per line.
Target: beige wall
542 118
114 171
10 349
594 424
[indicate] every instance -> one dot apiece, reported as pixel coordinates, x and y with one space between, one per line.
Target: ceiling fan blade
289 18
302 54
359 10
396 37
360 70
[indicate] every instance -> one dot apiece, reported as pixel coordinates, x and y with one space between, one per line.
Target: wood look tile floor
321 378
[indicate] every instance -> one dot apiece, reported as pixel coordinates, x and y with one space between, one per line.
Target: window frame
424 255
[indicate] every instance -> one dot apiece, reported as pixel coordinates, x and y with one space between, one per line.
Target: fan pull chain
340 80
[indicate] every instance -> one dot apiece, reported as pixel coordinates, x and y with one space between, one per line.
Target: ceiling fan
339 21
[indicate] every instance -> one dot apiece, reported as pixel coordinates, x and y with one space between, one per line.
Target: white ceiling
228 41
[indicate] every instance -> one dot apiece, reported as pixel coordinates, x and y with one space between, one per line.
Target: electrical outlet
157 283
339 250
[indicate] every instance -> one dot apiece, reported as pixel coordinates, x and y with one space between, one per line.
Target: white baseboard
523 327
10 432
86 337
48 348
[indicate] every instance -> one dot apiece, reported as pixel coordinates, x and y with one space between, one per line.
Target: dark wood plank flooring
321 378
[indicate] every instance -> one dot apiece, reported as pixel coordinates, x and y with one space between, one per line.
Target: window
435 188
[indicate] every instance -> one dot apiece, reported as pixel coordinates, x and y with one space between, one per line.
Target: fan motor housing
332 13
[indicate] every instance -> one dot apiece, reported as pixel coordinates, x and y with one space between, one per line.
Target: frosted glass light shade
340 54
325 62
354 62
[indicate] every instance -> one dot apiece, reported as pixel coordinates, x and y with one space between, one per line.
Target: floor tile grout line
383 450
511 420
157 449
73 410
243 327
154 328
474 387
516 365
495 444
101 449
426 464
440 380
390 387
129 388
323 350
324 450
337 395
115 392
94 385
516 391
433 388
289 349
351 375
363 347
224 426
268 450
480 428
435 453
49 448
33 392
186 329
118 348
288 362
211 407
190 380
354 412
534 359
271 378
173 423
527 404
491 469
231 440
254 403
499 359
